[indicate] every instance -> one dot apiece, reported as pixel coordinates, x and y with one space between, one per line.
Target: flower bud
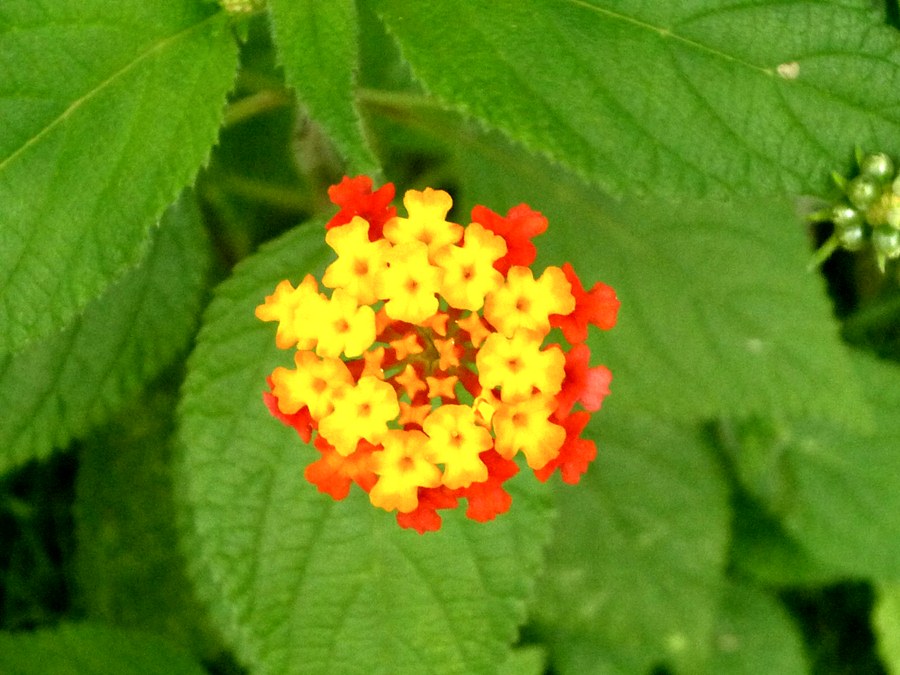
863 191
878 166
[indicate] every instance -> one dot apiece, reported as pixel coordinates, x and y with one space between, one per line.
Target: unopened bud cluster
869 212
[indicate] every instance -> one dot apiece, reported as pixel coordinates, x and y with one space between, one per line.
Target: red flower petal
301 420
355 198
575 381
488 499
599 306
425 517
597 388
517 228
333 473
575 454
327 473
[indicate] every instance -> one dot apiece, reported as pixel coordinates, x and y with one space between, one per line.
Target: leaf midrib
665 33
154 48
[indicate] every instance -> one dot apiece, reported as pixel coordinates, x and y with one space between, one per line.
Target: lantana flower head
424 369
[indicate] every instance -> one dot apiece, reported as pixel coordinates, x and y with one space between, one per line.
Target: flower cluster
425 371
868 213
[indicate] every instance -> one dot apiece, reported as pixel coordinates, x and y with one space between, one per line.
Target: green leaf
886 623
842 500
107 114
57 388
298 582
129 566
718 312
318 46
634 572
91 649
754 634
667 98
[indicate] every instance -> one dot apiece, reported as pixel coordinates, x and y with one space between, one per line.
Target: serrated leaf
754 634
635 569
129 567
91 649
843 504
317 45
718 312
55 389
669 98
297 582
107 114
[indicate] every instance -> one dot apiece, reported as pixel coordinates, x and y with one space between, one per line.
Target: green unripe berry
892 216
242 6
844 215
852 237
886 241
878 166
863 191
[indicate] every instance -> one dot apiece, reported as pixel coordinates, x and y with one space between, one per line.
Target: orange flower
426 370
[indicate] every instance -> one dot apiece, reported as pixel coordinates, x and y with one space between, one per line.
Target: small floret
526 302
403 466
410 283
362 412
456 440
525 427
426 221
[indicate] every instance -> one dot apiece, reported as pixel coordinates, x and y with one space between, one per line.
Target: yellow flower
410 283
359 261
517 365
315 383
426 223
524 427
343 326
456 441
403 466
469 272
291 307
362 412
523 302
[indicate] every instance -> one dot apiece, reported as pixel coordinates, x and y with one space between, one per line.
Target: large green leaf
841 490
635 569
718 312
298 582
91 649
56 388
317 44
107 113
667 97
130 569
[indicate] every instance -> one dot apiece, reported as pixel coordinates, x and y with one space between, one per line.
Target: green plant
164 165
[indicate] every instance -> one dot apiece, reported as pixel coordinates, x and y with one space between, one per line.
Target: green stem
396 100
285 198
823 253
255 104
